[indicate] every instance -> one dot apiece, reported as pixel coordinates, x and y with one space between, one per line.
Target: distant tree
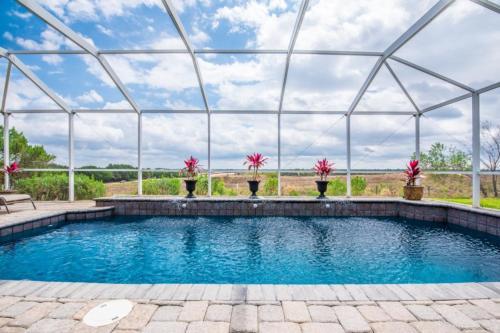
490 144
28 156
442 158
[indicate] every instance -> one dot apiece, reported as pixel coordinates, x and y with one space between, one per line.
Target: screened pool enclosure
357 79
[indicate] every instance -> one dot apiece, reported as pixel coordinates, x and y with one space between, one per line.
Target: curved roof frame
388 53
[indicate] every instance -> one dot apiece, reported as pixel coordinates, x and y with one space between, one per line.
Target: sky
462 43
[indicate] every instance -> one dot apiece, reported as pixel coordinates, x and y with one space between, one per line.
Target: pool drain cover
108 312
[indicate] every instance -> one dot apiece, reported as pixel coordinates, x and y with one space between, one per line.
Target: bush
271 185
358 185
336 187
218 186
165 186
55 187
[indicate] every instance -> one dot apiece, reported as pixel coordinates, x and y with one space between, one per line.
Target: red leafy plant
255 161
323 168
412 173
192 168
13 168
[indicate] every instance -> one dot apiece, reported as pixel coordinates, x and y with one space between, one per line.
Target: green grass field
486 202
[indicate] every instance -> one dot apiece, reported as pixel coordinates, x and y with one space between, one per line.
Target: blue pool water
252 250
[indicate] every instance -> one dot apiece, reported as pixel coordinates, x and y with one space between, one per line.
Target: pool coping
257 293
39 219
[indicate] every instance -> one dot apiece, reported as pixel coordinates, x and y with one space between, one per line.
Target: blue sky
462 43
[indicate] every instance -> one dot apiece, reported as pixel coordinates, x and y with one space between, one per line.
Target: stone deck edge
257 293
45 219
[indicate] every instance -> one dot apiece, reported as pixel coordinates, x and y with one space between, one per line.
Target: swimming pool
280 250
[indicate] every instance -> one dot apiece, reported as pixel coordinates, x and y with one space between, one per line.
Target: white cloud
121 105
22 15
52 59
7 35
50 40
90 96
91 10
104 30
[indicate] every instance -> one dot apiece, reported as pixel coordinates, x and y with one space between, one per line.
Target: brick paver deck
27 306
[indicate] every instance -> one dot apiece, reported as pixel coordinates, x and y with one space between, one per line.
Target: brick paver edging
252 292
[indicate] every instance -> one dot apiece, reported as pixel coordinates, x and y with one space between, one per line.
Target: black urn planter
253 185
190 187
322 186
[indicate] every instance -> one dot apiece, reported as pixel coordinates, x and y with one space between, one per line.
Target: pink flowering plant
412 173
323 168
191 169
13 168
255 161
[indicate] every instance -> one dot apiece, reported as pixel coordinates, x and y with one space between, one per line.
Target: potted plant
10 170
255 162
412 191
323 168
190 171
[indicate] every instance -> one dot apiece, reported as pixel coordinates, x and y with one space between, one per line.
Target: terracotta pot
413 192
190 187
253 185
322 186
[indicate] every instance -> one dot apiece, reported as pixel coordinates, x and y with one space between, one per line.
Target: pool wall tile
472 218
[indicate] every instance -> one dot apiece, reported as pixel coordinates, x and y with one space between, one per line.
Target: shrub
294 193
165 186
358 185
336 187
55 187
218 187
271 185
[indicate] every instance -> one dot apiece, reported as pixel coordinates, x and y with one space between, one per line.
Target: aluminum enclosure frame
388 53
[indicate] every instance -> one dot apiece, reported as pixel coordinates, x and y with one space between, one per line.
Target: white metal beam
33 78
476 151
348 154
432 73
71 157
295 33
488 4
5 87
445 103
6 132
430 15
488 88
400 84
293 39
209 153
184 36
51 20
6 151
200 51
216 112
139 154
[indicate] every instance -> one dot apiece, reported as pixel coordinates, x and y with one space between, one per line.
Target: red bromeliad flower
412 173
13 168
192 167
255 162
323 168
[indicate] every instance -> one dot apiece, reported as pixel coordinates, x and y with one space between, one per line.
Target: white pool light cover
108 312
